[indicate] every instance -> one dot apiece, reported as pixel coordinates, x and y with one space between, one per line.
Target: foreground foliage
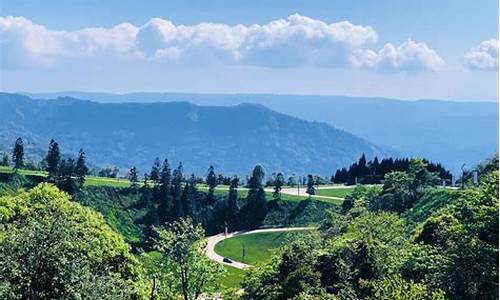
183 245
405 240
51 248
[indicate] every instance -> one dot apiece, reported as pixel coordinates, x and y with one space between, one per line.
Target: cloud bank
285 43
483 57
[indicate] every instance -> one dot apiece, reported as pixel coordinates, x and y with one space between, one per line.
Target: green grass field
233 278
335 192
220 190
4 169
89 180
259 247
103 181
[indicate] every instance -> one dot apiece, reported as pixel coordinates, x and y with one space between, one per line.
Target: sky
397 49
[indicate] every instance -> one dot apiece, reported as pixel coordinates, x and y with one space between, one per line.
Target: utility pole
225 230
463 176
298 186
243 253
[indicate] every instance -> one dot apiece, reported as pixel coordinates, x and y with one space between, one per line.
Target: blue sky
402 49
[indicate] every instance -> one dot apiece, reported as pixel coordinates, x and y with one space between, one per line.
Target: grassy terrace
259 248
335 192
220 189
89 180
233 278
243 192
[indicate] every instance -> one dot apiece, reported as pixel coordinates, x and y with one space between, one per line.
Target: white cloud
409 56
24 43
291 42
483 57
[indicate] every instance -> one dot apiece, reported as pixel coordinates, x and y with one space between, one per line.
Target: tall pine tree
256 206
81 169
177 179
53 159
212 183
310 185
232 201
155 171
278 185
165 208
18 154
133 177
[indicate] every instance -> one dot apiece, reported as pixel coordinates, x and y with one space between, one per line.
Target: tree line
68 174
168 194
373 171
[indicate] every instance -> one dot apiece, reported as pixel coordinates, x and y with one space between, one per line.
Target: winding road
215 239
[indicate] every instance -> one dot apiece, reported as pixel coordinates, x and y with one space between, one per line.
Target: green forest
406 237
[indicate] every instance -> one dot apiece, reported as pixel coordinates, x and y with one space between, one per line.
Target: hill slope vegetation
450 132
233 139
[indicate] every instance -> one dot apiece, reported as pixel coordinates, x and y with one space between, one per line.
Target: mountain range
451 132
232 138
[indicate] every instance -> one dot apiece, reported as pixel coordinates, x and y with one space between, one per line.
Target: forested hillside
404 239
450 132
233 139
401 241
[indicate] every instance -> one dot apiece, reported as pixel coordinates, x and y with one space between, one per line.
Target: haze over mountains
453 133
233 139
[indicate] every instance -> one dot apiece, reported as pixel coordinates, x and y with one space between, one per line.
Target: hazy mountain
450 132
234 138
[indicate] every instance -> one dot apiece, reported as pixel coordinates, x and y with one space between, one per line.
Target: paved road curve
215 239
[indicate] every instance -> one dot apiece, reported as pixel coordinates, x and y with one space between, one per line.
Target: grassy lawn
223 190
335 192
4 169
89 180
102 181
233 278
259 247
219 190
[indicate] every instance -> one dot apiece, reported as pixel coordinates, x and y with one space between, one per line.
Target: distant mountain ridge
233 139
450 132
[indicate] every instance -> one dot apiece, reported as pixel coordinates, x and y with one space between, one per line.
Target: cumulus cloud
292 42
25 43
483 57
409 56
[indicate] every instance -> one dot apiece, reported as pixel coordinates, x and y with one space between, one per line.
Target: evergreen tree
65 173
310 185
146 178
256 205
165 208
155 171
211 181
278 184
232 200
185 205
374 166
53 159
191 195
177 179
133 177
337 177
81 169
165 174
18 154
